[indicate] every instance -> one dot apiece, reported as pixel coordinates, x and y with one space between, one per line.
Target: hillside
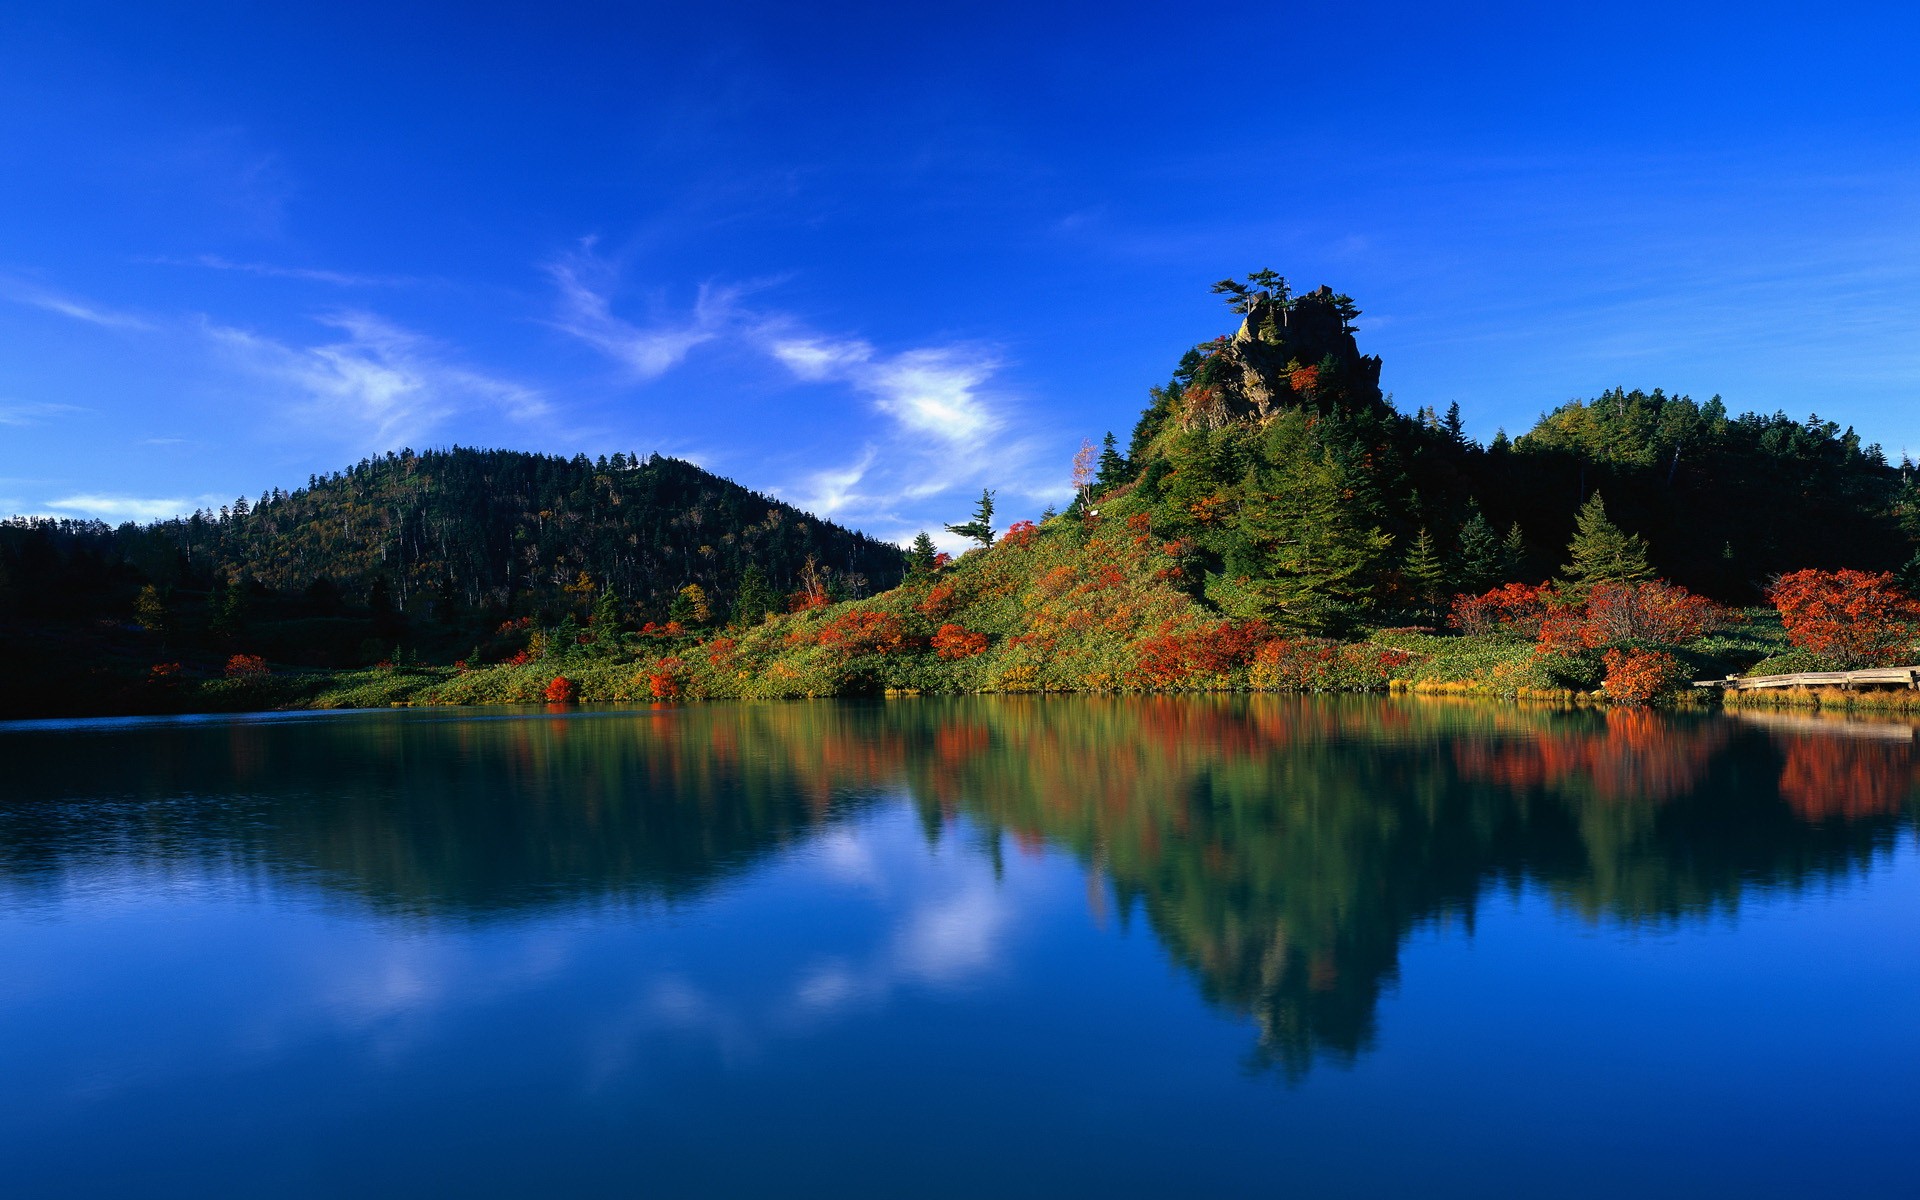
411 557
1275 522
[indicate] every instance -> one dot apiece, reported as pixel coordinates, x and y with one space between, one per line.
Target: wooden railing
1907 677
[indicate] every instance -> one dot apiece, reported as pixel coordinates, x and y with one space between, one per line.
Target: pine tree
980 529
1114 469
1426 577
606 622
920 555
1602 552
755 597
1513 554
1481 558
1313 545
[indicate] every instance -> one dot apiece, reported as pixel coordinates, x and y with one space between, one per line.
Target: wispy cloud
106 506
34 414
66 306
647 351
274 271
383 383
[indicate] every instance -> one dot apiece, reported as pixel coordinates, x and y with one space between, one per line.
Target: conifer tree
606 622
1426 577
1314 545
1113 466
921 554
1513 554
1602 552
1480 559
755 598
980 529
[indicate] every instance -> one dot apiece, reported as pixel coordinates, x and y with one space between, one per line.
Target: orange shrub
1636 676
939 600
864 633
720 649
1859 618
1020 533
562 690
1511 608
955 641
247 666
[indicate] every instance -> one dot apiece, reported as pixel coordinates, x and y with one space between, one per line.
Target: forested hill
450 540
1308 499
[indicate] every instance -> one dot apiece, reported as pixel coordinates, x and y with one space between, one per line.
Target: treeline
1306 498
438 545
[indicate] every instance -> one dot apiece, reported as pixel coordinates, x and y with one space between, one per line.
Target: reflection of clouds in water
955 937
947 923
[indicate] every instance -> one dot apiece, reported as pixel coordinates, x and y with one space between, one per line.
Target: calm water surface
1255 946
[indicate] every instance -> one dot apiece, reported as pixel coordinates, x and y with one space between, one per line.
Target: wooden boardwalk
1906 677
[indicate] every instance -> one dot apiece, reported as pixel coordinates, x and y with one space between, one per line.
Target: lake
1226 946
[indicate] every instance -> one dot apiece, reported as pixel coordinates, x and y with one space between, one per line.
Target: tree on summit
1261 287
980 529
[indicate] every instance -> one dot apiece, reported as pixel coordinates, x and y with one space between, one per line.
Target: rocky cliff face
1301 354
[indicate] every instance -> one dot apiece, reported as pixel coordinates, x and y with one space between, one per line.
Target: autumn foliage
1857 618
1020 533
247 666
865 633
562 691
1515 608
955 641
1629 612
1636 676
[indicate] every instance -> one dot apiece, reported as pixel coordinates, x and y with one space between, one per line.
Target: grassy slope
1074 607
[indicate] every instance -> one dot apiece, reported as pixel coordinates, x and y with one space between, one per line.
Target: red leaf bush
1856 618
1636 676
562 690
247 666
955 641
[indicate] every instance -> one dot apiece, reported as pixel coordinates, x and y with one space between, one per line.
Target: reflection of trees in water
1281 848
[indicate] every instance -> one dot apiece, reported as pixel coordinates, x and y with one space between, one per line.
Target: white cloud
586 312
67 306
274 271
106 506
816 359
383 383
34 414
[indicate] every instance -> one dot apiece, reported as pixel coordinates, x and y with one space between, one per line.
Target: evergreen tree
1426 577
1481 558
980 529
755 598
1602 552
920 555
606 622
1114 469
1513 554
1312 542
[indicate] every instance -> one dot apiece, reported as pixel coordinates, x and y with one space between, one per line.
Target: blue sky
872 258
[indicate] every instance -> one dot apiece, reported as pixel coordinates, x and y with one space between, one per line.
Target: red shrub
520 659
1020 533
1140 522
939 601
1636 676
1859 618
1173 654
663 682
1651 612
247 666
1304 380
864 633
562 690
954 641
1512 608
720 649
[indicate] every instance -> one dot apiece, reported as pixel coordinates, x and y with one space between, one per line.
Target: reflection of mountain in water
1281 848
